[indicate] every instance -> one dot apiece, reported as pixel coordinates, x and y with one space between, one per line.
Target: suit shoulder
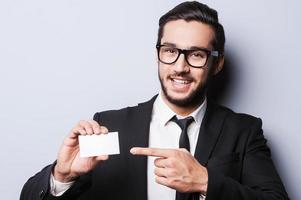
114 113
125 112
239 118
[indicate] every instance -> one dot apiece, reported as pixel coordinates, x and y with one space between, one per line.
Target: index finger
158 152
98 129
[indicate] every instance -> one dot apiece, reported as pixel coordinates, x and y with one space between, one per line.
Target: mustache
181 75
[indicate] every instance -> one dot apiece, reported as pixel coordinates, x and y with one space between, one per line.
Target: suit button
41 194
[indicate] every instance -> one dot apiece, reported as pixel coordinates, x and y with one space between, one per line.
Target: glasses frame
185 52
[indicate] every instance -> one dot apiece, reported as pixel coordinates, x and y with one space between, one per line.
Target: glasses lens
168 54
197 58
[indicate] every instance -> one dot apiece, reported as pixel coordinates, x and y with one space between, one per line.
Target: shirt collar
163 113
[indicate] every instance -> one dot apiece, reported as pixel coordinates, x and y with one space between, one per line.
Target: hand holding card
96 145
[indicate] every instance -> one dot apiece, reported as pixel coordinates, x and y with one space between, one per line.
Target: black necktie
183 143
183 123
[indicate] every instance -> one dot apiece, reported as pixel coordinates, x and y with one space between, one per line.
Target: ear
219 65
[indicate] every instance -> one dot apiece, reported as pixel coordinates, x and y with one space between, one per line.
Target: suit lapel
209 132
138 136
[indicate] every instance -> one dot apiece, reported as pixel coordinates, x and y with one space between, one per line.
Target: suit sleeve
38 186
259 178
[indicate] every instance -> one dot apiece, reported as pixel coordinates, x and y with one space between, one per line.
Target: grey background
61 61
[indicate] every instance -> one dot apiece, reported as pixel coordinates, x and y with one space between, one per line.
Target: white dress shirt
166 134
163 134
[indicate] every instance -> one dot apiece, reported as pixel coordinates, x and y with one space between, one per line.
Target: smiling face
184 86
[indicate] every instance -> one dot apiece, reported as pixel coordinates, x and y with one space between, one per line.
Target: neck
183 110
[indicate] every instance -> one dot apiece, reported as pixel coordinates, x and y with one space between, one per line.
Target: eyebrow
190 48
169 44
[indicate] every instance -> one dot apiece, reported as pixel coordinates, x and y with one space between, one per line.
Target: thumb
102 157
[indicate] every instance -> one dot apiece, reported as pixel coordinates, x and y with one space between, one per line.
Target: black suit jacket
230 145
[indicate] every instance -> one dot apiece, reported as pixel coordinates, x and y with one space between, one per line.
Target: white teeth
180 81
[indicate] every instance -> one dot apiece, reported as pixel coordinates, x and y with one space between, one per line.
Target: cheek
163 71
200 76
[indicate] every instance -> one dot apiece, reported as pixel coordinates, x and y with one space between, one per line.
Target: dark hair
195 11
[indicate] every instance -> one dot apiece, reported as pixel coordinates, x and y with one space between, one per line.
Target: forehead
187 34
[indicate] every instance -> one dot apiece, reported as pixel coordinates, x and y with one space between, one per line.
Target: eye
169 50
198 54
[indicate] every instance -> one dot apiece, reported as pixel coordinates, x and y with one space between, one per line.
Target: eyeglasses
194 57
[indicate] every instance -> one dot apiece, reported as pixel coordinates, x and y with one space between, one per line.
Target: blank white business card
96 145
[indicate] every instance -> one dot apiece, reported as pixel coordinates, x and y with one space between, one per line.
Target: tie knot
183 123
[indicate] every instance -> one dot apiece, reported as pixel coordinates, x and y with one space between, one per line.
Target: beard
196 97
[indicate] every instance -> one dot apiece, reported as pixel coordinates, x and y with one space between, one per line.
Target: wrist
62 177
203 181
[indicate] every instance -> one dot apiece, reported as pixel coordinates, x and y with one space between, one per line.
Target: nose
181 65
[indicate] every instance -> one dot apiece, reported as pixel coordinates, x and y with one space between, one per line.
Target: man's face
183 85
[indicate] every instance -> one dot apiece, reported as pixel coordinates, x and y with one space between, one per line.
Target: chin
192 99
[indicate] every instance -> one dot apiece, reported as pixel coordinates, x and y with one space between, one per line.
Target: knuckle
172 173
103 128
76 129
170 163
158 180
95 126
157 161
94 123
183 150
170 181
80 130
177 153
150 151
185 189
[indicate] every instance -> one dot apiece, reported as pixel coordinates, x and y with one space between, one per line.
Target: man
179 145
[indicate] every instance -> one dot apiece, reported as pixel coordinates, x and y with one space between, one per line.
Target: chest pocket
228 165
